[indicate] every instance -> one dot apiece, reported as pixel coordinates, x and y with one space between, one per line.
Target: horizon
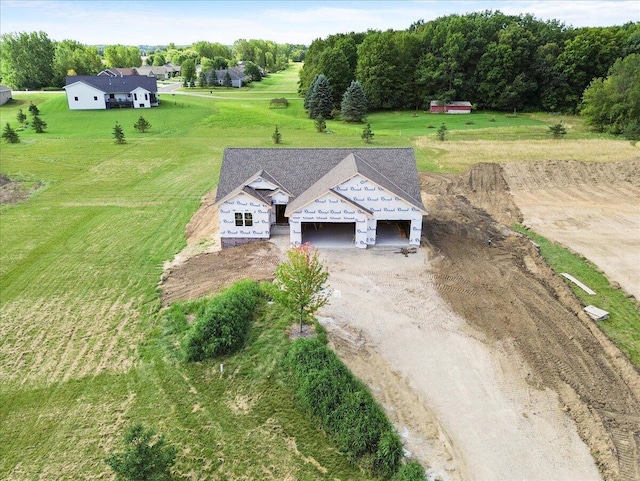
284 22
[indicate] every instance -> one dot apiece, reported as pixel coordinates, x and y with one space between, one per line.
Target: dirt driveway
481 355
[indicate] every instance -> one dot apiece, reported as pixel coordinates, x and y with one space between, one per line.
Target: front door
280 218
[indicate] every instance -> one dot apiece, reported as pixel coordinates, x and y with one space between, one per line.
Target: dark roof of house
116 72
114 85
319 170
234 73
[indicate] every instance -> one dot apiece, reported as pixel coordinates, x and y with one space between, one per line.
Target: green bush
345 408
222 326
411 471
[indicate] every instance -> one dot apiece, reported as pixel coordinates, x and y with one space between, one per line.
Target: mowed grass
624 321
82 350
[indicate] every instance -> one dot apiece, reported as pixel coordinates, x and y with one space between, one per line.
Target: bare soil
12 191
480 353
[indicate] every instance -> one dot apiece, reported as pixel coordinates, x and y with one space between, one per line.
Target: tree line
496 61
31 60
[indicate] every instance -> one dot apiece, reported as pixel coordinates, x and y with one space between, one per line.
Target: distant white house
85 92
5 94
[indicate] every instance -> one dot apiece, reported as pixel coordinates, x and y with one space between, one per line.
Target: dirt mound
518 298
12 191
208 273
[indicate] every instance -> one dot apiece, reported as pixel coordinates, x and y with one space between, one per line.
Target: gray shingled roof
297 170
116 85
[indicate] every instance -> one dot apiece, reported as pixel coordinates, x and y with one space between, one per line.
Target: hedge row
326 389
221 327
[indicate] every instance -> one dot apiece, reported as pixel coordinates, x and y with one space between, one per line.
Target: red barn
458 107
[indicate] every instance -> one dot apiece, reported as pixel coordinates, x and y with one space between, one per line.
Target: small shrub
367 134
632 130
431 126
118 134
469 122
388 455
441 134
276 136
492 118
10 135
142 459
142 125
411 471
558 130
223 326
33 109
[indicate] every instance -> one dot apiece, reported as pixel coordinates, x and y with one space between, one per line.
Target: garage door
329 234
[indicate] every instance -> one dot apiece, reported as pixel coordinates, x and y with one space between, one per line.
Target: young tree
202 79
354 103
227 80
441 134
302 282
118 134
212 79
21 117
34 109
142 125
10 135
320 123
558 130
142 459
367 135
276 136
188 71
38 124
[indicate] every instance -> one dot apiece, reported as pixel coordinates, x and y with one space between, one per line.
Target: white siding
141 98
280 198
243 204
329 208
260 183
5 96
383 204
81 96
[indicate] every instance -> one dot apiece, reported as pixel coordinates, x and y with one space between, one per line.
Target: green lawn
82 350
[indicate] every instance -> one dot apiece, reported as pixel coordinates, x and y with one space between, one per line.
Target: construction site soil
554 366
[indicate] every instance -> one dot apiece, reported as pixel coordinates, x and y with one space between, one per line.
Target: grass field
82 351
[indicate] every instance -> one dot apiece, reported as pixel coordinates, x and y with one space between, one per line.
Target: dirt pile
518 298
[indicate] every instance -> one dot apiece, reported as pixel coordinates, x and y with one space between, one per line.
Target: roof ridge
387 179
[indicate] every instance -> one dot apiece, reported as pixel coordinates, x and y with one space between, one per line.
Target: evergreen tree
367 135
10 135
320 123
441 134
354 103
38 124
202 79
118 134
34 109
227 80
558 130
192 82
142 125
276 136
212 79
321 99
310 94
21 117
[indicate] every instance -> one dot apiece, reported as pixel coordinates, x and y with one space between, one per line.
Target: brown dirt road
504 319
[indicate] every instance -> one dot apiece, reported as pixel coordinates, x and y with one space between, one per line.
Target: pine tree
21 117
118 134
441 134
202 79
558 130
354 103
227 80
38 124
212 79
276 136
33 109
367 135
142 125
10 135
309 97
321 100
320 124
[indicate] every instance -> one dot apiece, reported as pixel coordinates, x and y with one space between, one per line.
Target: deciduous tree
302 282
26 60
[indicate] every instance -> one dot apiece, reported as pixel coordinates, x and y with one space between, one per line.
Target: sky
160 22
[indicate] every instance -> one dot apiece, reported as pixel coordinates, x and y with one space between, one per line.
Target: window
75 98
146 96
135 96
95 97
141 106
245 219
